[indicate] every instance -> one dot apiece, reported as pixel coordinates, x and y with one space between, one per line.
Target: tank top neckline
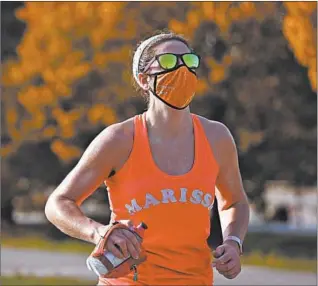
151 159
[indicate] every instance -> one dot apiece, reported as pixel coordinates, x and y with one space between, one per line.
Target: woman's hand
227 259
122 242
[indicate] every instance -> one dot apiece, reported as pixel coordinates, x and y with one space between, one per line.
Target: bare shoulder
121 133
104 154
113 144
219 137
215 131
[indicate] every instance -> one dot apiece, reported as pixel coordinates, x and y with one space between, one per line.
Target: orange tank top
176 210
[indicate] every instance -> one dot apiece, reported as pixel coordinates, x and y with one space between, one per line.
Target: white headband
139 52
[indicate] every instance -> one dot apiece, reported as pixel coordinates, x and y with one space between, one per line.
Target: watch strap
236 239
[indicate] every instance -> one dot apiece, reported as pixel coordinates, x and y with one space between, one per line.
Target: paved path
44 263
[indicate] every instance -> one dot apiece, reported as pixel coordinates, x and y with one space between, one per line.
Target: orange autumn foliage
65 151
223 14
64 44
67 43
302 36
297 27
249 138
55 48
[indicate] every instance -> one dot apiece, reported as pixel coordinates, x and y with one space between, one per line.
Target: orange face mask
175 88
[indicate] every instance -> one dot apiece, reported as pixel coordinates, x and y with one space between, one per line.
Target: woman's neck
166 122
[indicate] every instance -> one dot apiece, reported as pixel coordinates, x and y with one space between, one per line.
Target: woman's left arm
232 202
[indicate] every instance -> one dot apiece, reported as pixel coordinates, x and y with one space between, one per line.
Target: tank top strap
138 134
140 153
205 157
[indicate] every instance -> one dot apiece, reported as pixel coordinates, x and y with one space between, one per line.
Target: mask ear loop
167 103
176 66
149 64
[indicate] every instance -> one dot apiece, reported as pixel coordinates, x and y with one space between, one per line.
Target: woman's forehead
171 46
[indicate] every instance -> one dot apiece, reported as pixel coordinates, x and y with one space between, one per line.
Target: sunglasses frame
178 56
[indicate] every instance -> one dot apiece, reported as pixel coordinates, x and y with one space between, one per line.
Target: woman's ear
143 81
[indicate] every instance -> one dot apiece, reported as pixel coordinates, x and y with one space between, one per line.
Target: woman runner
163 167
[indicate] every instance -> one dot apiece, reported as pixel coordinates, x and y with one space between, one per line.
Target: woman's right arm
106 152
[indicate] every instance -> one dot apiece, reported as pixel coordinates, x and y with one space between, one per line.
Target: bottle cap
143 225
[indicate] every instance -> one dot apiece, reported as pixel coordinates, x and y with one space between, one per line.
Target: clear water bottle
110 266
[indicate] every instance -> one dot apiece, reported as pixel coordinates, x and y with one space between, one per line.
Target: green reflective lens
191 61
167 61
170 61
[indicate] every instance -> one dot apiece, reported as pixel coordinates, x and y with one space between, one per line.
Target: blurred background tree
67 75
261 82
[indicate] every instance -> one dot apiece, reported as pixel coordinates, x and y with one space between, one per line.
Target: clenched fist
227 259
122 242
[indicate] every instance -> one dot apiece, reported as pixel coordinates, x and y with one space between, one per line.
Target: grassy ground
272 260
279 262
292 246
42 243
30 280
